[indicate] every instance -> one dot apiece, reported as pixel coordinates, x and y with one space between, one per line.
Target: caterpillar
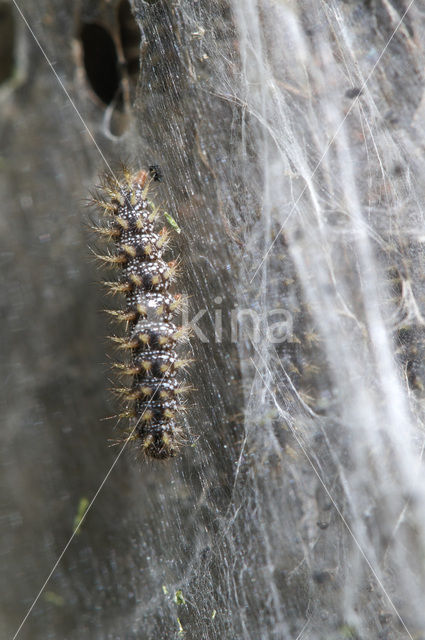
153 398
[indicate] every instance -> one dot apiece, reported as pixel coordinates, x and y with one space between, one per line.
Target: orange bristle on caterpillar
153 397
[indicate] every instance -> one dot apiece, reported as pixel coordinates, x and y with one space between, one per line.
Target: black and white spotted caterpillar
153 398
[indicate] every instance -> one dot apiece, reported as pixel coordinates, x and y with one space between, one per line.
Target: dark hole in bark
130 37
7 42
101 62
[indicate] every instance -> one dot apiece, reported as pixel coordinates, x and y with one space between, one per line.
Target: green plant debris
82 508
181 630
54 598
213 615
172 222
179 598
164 590
347 631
